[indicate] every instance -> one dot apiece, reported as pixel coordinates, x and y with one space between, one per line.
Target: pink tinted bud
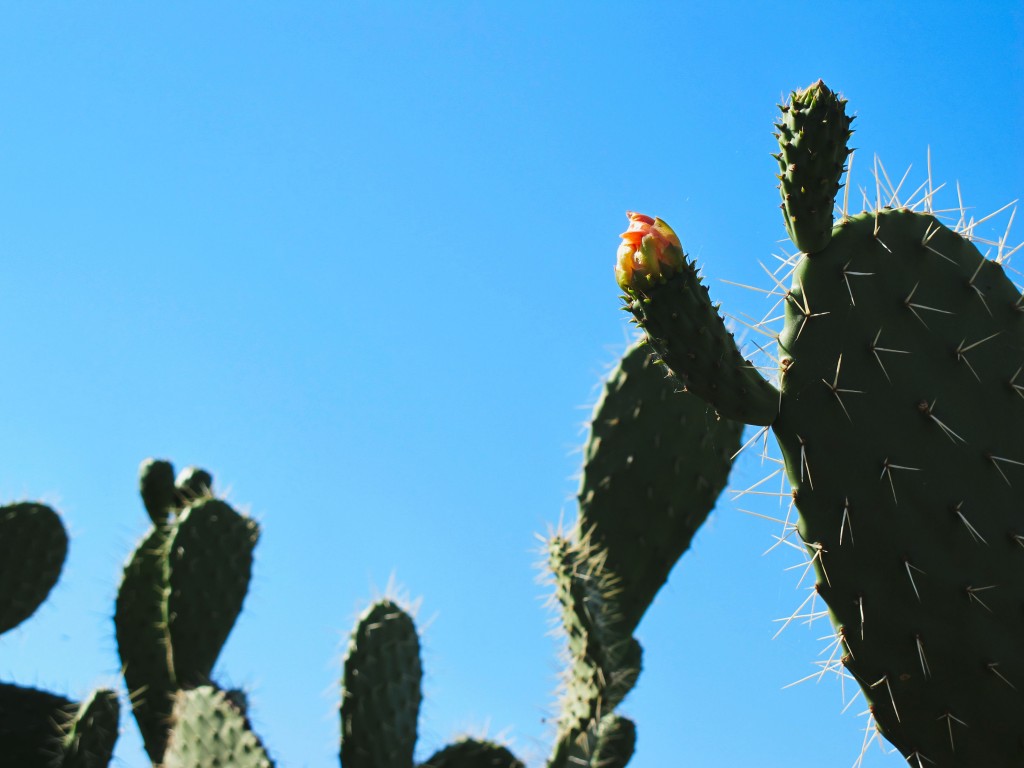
649 250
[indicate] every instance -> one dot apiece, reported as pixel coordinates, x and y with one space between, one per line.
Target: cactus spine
898 414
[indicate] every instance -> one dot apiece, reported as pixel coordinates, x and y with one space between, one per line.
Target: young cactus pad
899 413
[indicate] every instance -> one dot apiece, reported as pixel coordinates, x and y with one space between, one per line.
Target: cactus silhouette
898 412
39 729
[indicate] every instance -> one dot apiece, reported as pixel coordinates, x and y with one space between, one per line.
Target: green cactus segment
207 729
654 465
208 566
140 623
473 753
902 400
30 726
604 659
92 733
616 742
156 486
690 336
813 136
381 690
33 545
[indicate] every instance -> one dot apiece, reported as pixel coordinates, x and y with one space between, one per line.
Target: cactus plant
655 462
897 410
39 728
180 594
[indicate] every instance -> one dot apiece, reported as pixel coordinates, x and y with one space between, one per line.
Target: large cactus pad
900 423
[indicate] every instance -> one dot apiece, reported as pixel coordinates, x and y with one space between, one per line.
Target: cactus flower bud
649 251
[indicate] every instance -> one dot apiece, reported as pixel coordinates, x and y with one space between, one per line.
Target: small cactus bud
649 251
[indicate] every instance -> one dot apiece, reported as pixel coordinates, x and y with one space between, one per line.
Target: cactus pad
900 425
654 465
381 695
208 730
33 545
473 753
813 137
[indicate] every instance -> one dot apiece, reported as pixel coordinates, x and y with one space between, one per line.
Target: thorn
910 568
992 668
949 718
846 523
885 679
914 307
928 410
836 390
921 657
875 349
970 528
887 468
972 594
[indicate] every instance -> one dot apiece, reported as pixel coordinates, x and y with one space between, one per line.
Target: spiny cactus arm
209 729
671 303
473 753
604 660
33 545
813 135
900 427
381 690
655 461
140 624
91 733
208 565
616 742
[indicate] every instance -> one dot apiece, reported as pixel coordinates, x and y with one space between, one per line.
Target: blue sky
356 260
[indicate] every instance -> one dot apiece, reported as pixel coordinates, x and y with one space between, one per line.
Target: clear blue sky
356 259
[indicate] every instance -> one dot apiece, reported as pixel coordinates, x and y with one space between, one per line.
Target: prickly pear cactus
380 698
181 592
655 462
33 545
208 728
473 753
899 412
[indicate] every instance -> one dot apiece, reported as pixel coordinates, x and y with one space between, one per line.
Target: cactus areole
898 411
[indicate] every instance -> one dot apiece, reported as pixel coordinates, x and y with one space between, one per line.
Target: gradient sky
356 260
